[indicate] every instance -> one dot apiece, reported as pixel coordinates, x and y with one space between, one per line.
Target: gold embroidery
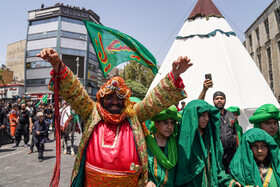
268 177
155 167
115 140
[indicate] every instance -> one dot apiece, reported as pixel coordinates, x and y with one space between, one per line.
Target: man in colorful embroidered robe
199 149
162 147
112 150
257 160
266 117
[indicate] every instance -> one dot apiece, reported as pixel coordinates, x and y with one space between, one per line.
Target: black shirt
24 116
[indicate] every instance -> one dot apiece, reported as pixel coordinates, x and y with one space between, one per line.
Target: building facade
263 43
7 76
8 93
60 27
15 59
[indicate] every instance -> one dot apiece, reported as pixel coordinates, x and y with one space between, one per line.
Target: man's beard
220 106
119 111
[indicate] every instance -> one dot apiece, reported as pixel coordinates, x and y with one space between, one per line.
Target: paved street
17 168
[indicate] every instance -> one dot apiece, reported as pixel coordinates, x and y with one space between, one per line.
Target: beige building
15 59
263 43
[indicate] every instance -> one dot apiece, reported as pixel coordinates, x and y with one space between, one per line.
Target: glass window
260 61
43 35
74 52
93 56
266 25
258 34
37 82
250 40
38 64
71 20
270 72
277 14
73 35
33 53
37 22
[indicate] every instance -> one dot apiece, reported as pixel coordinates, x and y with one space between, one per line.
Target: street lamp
77 60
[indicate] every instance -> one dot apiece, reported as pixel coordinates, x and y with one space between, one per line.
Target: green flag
113 48
44 99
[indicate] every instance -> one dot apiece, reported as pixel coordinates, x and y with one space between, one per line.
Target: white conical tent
232 68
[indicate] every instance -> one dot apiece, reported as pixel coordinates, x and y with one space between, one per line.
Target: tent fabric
232 68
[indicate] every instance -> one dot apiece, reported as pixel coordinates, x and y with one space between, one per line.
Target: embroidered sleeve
160 98
73 92
179 83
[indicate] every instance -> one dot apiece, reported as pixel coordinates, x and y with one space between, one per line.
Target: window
266 25
250 40
43 35
38 64
93 56
73 35
259 56
37 22
74 52
270 72
258 35
37 82
71 20
277 14
33 53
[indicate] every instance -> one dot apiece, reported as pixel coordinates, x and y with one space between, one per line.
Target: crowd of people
25 119
153 142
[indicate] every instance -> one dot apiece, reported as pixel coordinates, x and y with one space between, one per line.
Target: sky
154 23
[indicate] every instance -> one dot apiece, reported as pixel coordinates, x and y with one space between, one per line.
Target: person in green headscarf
257 160
162 147
236 112
200 149
266 117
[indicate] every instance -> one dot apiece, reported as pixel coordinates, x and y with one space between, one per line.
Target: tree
137 72
137 89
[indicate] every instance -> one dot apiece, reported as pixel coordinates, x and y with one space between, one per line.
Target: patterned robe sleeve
74 93
165 94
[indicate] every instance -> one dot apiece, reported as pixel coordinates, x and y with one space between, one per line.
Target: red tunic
112 147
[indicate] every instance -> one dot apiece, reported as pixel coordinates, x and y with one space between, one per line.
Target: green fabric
195 167
113 48
158 180
239 130
169 162
266 112
135 99
208 35
168 159
75 118
234 109
170 113
44 99
243 166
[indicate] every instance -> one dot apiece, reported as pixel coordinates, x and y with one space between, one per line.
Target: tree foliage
137 72
137 89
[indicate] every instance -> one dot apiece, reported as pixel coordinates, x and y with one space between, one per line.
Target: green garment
162 165
243 167
158 174
235 109
200 157
266 112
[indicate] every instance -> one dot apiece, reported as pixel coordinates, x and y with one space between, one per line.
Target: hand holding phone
208 83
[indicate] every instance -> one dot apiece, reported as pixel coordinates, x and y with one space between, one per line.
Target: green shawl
243 166
167 160
235 109
263 113
193 155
